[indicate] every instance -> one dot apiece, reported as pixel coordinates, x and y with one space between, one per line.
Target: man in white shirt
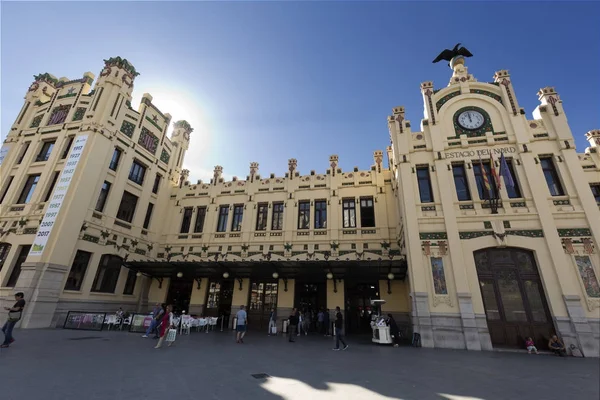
242 321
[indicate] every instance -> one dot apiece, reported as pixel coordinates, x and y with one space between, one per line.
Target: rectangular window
127 207
320 214
551 175
14 275
303 214
187 220
595 191
481 189
107 275
4 250
77 272
238 213
148 215
101 202
460 182
6 188
23 152
513 192
114 161
45 151
156 184
223 215
200 217
367 212
349 213
261 216
424 181
130 282
28 189
277 223
137 173
51 187
67 148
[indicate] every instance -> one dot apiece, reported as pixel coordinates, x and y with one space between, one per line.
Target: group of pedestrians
162 322
295 321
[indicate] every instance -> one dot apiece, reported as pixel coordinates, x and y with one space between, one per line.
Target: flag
505 172
494 173
486 182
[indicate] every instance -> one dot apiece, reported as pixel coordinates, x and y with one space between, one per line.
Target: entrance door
358 306
179 295
513 297
218 299
309 298
263 297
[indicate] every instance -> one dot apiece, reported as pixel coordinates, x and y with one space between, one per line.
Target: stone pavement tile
49 365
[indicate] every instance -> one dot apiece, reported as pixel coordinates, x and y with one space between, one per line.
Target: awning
367 270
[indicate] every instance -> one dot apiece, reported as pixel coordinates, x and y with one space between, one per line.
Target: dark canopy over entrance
358 270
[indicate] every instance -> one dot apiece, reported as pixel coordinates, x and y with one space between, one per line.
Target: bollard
222 319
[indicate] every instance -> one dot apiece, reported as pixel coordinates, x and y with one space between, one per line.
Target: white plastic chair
110 320
126 321
213 322
202 322
185 325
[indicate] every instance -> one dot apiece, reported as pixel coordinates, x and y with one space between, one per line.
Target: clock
470 119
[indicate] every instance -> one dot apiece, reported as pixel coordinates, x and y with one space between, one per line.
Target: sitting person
556 345
530 346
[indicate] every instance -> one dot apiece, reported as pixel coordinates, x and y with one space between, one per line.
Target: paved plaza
63 365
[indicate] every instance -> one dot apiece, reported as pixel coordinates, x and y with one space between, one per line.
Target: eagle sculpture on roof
450 54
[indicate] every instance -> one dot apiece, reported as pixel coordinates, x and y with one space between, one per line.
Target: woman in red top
166 324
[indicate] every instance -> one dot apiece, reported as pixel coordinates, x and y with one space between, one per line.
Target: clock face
471 119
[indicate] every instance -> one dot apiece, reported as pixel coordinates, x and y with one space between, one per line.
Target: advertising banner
60 191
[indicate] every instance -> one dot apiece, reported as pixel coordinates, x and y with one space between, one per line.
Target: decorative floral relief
79 113
127 128
36 121
164 156
59 114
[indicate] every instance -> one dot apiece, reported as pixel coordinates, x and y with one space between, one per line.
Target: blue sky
268 81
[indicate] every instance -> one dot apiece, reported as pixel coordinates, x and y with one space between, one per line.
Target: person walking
320 319
14 315
167 322
293 319
273 322
326 322
242 321
156 317
339 326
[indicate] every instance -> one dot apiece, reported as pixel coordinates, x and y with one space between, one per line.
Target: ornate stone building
482 228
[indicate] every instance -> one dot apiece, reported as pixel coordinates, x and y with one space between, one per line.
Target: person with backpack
14 315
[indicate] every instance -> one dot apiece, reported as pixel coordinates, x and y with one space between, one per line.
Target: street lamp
329 275
138 274
225 274
275 275
391 276
179 274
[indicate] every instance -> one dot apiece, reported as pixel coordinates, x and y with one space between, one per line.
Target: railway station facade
479 228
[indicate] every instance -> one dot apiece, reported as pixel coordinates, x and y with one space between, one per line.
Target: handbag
171 335
14 316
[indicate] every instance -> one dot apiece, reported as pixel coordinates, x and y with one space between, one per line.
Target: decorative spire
333 163
217 174
460 72
253 170
292 165
378 158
